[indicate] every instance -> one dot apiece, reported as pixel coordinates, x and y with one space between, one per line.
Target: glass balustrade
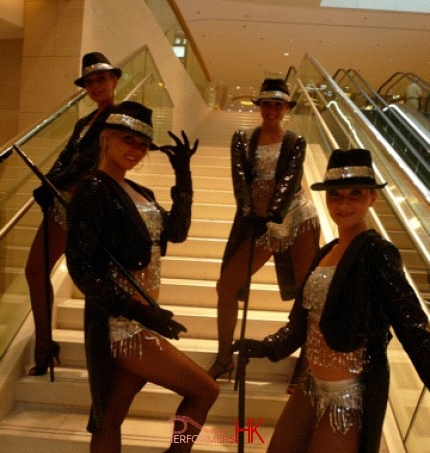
19 215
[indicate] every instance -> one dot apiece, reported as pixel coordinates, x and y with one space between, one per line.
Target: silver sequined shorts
343 399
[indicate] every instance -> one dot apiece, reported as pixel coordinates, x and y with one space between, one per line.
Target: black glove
44 197
161 321
251 348
180 154
258 223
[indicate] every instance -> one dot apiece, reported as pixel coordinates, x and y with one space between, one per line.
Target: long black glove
251 348
155 318
259 224
43 197
180 156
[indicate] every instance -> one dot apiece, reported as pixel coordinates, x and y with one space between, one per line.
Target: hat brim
81 81
290 104
346 184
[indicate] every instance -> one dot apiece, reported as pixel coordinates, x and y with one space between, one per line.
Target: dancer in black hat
274 214
125 337
354 293
100 79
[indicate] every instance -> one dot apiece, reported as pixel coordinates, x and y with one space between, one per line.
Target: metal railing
42 143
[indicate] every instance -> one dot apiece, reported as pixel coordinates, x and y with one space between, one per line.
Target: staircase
51 416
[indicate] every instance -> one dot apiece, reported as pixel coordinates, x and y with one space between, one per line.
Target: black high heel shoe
218 369
43 360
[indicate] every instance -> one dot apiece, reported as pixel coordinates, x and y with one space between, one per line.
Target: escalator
331 119
406 128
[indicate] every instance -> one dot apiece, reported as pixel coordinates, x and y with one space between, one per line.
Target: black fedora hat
132 116
274 89
350 168
92 62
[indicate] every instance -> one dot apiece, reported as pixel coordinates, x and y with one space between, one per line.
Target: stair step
199 268
35 428
200 322
202 294
201 350
72 390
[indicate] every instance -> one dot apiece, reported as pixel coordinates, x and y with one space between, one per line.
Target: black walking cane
45 181
45 212
240 377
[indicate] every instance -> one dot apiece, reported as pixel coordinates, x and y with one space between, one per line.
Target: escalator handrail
412 233
34 129
291 71
396 113
389 196
408 75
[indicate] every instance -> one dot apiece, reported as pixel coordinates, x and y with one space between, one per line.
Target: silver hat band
349 172
274 95
135 125
96 67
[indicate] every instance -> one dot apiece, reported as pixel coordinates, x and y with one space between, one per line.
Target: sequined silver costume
271 192
342 398
368 296
301 214
317 350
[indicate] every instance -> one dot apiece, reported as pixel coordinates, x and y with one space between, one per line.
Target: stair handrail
34 129
397 114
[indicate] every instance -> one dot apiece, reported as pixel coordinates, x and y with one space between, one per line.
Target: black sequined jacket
79 155
369 294
288 175
102 216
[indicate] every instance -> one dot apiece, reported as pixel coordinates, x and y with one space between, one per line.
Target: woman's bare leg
36 278
324 440
166 366
294 427
232 279
107 439
303 251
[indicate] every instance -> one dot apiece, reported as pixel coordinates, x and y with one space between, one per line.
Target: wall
10 74
130 25
58 32
51 56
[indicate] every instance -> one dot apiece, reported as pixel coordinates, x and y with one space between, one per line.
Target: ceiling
243 41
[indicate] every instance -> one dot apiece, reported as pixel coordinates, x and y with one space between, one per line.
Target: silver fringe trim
132 347
278 244
344 400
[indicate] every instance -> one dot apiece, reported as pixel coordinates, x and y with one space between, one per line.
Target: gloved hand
259 223
173 330
180 154
161 321
251 348
44 197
